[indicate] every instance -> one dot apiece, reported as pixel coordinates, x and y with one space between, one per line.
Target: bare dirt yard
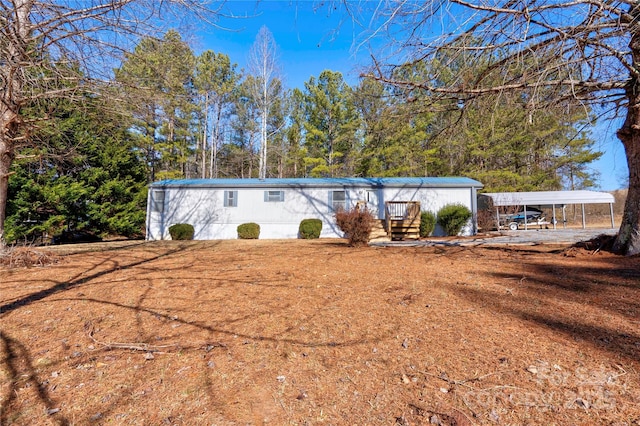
316 332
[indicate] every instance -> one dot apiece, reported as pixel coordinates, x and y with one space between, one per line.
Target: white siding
204 208
433 199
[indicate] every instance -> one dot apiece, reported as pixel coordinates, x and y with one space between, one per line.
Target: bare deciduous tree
61 49
216 78
551 51
263 67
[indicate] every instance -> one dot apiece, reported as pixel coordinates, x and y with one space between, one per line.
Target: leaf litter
309 332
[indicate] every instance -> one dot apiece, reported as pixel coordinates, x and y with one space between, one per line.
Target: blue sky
312 37
613 164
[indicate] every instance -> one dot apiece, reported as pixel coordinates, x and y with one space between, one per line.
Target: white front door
373 203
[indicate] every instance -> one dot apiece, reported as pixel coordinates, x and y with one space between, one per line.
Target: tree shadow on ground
17 362
22 375
81 279
625 344
141 271
592 301
612 284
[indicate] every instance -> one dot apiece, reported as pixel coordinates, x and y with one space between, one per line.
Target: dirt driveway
316 332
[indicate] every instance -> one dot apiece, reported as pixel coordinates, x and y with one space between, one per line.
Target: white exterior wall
433 199
204 208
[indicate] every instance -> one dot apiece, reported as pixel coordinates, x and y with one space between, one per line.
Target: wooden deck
402 219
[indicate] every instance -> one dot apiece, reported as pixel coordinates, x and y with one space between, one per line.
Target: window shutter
230 198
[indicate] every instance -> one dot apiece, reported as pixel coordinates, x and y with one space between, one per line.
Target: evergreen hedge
427 224
248 231
181 231
453 217
310 229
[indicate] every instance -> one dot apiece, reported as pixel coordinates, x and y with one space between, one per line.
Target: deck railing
401 210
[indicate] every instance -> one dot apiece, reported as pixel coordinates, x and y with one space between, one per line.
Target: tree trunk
218 133
11 101
628 240
262 172
204 135
6 159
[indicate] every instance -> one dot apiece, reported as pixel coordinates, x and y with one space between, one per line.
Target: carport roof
549 198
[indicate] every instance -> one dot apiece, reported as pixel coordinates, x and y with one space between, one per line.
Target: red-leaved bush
356 225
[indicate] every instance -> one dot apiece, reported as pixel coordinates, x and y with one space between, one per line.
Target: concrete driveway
521 237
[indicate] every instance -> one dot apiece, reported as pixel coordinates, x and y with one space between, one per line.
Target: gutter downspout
474 210
148 221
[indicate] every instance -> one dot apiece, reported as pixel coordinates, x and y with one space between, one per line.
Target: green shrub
181 231
310 229
427 223
356 225
453 217
248 231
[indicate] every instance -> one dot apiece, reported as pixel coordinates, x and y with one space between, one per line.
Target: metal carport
549 199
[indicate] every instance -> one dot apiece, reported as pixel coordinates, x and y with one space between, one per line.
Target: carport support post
498 218
584 224
554 216
613 223
525 217
564 216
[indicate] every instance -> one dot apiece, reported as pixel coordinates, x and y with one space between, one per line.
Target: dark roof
412 182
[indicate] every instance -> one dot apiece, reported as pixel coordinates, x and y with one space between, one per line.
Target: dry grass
313 332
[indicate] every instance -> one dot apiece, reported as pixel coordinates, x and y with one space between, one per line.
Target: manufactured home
215 207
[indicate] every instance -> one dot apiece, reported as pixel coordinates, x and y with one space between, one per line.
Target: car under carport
544 199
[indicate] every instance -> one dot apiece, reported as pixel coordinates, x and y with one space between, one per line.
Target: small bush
181 231
427 224
310 229
453 217
356 224
486 215
487 220
248 231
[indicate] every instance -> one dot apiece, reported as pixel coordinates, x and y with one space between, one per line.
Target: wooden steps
402 219
378 233
403 229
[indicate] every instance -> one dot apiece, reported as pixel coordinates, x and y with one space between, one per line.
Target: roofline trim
320 183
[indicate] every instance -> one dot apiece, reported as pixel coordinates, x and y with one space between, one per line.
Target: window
273 196
338 200
231 198
157 200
